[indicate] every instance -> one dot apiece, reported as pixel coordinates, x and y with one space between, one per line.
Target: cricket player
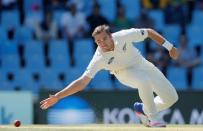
117 54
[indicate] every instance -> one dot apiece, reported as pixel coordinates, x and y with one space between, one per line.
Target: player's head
102 37
101 28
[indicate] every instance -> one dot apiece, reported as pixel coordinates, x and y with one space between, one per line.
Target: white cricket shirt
123 56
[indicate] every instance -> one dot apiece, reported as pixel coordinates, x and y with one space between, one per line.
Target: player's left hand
173 53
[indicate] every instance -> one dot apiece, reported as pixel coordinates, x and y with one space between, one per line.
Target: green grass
100 127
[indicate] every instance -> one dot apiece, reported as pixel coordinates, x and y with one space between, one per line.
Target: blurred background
45 44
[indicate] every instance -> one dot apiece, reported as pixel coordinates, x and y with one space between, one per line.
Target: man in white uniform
117 54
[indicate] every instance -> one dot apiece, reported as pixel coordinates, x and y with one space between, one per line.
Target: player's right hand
46 103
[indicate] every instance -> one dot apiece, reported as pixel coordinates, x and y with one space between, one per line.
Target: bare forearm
156 36
72 88
159 39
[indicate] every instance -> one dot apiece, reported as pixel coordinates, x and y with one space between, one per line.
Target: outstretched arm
72 88
155 36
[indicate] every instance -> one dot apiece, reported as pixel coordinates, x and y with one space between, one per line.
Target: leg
147 97
167 94
139 79
142 80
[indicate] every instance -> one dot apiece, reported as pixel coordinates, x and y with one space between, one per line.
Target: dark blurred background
45 44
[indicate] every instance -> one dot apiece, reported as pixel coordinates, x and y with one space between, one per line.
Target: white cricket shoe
156 124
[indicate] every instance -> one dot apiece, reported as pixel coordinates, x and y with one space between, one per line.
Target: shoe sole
157 125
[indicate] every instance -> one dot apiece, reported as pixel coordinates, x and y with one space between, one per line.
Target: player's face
104 41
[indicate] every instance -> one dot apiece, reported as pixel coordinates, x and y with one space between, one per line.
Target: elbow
83 83
150 31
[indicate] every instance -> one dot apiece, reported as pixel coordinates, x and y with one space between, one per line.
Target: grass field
100 127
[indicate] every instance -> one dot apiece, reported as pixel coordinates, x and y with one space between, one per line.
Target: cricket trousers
148 79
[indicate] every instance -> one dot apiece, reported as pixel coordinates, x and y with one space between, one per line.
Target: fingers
44 106
51 95
46 103
42 102
173 53
175 56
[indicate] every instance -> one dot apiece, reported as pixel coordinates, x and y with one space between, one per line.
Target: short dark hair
100 29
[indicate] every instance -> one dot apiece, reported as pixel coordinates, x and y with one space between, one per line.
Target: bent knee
174 99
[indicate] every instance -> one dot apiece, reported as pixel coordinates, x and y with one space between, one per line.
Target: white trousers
148 79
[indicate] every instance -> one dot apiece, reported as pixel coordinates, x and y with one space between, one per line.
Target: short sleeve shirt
123 56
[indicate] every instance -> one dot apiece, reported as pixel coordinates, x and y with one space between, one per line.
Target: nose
101 43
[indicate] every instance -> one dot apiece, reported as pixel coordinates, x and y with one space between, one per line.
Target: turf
100 127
